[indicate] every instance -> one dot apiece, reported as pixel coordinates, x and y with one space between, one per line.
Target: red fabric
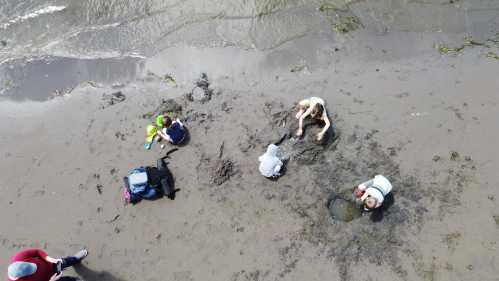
44 269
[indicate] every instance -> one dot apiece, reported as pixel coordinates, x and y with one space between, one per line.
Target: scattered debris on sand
169 106
113 98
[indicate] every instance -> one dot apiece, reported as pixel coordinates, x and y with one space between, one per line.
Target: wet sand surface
411 88
428 122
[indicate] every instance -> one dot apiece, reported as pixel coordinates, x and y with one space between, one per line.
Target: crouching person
372 193
271 162
172 131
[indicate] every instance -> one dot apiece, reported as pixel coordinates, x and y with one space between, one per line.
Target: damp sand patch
43 78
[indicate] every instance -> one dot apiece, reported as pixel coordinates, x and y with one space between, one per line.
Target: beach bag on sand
137 186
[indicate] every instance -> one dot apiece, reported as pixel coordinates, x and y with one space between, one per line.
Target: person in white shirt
316 108
372 193
271 162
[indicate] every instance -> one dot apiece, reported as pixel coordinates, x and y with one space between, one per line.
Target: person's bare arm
326 127
164 136
55 277
300 121
52 260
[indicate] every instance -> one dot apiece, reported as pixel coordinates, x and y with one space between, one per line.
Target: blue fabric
21 269
150 193
176 132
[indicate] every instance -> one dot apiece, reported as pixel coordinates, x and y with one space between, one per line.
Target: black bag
166 179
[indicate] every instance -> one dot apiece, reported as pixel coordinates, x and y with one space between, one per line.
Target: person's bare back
316 108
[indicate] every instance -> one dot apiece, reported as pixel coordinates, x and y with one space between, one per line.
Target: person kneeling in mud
271 162
315 107
172 131
372 193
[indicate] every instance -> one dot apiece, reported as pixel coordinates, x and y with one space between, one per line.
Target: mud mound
222 171
202 91
170 106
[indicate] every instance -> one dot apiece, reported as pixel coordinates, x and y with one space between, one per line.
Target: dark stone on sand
114 98
496 219
99 188
392 151
454 156
436 158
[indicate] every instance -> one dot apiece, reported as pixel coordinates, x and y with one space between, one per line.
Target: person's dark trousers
69 261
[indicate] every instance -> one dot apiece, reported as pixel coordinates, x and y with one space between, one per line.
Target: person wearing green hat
36 265
171 131
164 128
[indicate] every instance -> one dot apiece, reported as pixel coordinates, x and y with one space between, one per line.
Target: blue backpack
137 186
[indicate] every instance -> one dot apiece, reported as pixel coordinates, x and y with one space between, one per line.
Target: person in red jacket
36 265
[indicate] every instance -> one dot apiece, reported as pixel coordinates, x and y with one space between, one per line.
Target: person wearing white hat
36 265
372 193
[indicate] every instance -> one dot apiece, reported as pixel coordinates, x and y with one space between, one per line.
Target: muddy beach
227 221
414 100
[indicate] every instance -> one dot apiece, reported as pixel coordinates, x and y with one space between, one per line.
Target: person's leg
72 260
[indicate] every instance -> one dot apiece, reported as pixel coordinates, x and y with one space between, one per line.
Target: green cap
160 121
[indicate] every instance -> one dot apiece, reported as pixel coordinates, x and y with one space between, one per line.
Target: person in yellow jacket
165 128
